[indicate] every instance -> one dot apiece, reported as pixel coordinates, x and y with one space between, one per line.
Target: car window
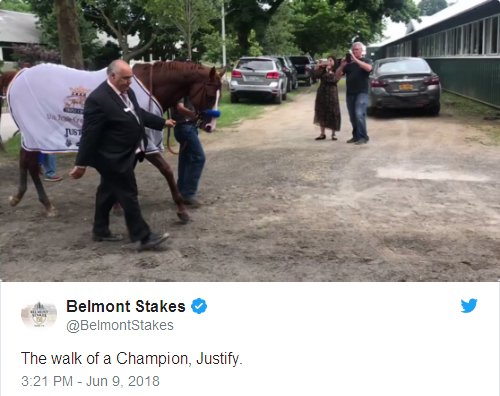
300 60
404 66
255 64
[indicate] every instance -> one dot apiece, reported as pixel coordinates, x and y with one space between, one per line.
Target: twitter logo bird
469 306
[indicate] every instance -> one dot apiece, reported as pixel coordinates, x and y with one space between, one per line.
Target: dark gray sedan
404 83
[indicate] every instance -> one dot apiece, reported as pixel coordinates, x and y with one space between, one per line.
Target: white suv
258 76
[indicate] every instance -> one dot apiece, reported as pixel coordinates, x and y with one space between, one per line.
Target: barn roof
18 27
458 8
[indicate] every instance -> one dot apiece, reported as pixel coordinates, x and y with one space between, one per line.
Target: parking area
420 202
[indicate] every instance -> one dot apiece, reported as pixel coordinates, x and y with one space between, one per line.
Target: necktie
129 104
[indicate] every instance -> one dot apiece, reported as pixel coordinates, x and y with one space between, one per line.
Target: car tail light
433 80
236 74
273 75
379 83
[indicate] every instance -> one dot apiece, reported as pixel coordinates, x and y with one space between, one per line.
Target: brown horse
5 79
169 82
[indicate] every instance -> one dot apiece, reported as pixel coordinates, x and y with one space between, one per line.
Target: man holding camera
357 69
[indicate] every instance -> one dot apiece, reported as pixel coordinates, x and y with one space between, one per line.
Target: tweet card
349 339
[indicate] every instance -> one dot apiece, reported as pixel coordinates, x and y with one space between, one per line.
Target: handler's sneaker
192 202
53 178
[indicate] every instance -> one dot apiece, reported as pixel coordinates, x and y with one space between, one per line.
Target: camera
348 58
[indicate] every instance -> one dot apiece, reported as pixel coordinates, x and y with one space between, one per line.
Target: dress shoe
107 238
352 140
361 141
321 137
152 240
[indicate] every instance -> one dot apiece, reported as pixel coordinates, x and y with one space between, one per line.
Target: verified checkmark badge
199 306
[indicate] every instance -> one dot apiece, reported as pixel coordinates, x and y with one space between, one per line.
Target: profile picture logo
39 315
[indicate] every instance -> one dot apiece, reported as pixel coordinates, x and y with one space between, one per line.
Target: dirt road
420 202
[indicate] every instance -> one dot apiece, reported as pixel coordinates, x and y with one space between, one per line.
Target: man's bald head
120 74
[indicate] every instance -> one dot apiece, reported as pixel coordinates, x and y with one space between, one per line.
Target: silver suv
258 76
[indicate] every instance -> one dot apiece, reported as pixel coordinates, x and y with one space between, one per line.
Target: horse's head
204 95
171 81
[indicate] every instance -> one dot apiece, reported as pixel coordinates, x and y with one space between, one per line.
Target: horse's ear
212 73
222 72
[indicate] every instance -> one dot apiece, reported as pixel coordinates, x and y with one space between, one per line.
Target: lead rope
169 129
169 148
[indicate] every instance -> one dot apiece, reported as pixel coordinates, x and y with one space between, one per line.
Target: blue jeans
191 159
49 164
356 105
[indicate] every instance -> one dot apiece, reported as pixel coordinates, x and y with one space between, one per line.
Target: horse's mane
178 65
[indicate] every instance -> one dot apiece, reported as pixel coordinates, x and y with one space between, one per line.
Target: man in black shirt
357 72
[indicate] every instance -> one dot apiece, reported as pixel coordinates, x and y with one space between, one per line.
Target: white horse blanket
46 102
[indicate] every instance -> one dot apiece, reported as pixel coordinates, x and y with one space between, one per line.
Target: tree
430 7
120 19
34 53
398 10
279 37
243 16
212 44
323 29
15 5
69 34
255 48
355 18
188 16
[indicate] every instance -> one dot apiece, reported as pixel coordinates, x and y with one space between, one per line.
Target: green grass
460 106
12 146
483 117
233 113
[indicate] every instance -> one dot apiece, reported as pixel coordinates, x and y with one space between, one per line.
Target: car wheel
434 110
296 84
289 86
234 98
308 82
371 111
278 98
283 96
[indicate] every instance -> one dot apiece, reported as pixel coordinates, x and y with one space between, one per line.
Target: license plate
405 87
252 78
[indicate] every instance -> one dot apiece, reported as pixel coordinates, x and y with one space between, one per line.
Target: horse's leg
23 180
34 170
159 162
28 162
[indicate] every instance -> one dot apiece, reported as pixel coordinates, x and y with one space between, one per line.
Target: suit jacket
111 133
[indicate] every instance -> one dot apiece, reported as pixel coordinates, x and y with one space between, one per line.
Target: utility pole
223 35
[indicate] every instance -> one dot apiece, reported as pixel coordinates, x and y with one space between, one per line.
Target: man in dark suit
113 136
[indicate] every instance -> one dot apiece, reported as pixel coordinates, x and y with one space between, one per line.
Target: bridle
202 90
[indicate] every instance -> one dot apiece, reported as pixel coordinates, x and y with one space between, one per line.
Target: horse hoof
14 200
52 212
183 217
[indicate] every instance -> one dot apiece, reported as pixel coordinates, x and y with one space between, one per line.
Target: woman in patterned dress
326 106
